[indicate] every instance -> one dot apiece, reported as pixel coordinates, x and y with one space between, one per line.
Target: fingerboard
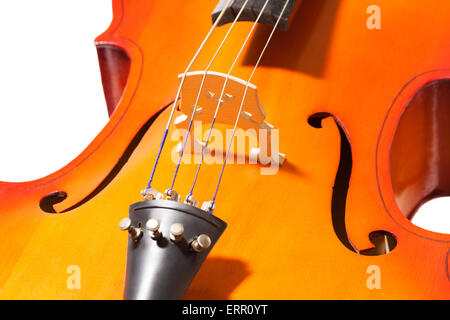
253 8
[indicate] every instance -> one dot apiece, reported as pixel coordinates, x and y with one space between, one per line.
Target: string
169 121
242 102
199 94
221 96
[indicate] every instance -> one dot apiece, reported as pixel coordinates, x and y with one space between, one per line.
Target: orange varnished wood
280 242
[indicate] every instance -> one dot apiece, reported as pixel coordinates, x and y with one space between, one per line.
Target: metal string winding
169 121
199 94
221 96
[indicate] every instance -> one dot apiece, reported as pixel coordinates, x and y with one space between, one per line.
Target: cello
361 115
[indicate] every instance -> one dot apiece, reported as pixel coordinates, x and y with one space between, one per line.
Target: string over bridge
252 116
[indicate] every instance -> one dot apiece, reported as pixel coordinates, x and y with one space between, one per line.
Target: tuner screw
152 226
201 243
208 206
135 233
176 232
190 200
151 194
172 195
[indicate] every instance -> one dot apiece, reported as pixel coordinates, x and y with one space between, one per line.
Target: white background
52 103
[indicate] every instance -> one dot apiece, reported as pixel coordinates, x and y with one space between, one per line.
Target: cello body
363 117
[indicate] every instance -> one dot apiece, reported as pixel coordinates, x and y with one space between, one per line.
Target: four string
199 93
220 102
166 130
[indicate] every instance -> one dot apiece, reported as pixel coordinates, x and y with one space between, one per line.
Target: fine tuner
176 230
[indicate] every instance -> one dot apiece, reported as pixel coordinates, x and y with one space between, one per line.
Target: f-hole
383 241
420 150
